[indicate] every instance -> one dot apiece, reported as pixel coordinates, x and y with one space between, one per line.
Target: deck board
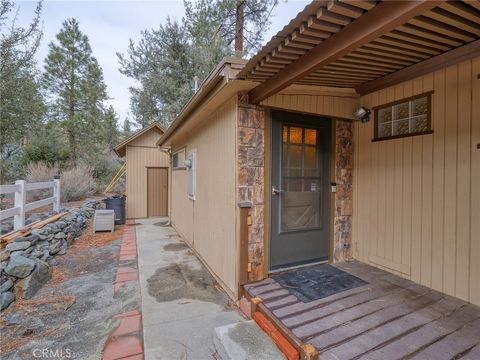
389 318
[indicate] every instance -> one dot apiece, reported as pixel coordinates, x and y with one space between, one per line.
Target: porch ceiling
357 43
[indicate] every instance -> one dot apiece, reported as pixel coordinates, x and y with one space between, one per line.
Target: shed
147 173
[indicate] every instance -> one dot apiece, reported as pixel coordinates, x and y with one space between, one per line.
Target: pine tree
75 87
21 102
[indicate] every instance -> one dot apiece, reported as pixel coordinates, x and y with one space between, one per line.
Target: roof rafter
380 20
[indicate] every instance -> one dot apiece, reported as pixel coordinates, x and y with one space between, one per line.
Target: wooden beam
382 19
451 57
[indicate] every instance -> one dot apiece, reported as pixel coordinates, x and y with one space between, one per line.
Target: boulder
33 283
6 299
16 246
60 235
54 248
19 266
4 254
20 239
6 285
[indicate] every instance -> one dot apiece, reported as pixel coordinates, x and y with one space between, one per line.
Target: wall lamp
363 114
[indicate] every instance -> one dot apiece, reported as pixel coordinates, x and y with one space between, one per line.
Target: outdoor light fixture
363 114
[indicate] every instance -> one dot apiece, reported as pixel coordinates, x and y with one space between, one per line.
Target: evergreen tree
161 63
166 61
75 88
127 128
21 103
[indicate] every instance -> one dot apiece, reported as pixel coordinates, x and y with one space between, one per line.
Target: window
178 159
191 165
407 117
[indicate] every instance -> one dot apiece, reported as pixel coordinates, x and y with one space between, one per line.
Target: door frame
168 186
268 182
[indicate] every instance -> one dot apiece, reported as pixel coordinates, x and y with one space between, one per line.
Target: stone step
245 341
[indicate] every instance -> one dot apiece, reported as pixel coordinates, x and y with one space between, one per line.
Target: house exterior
353 134
146 173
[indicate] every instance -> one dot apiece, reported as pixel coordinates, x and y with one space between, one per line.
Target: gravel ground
71 315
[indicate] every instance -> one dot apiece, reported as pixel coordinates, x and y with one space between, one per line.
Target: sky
110 24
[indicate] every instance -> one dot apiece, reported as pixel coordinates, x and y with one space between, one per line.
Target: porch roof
366 45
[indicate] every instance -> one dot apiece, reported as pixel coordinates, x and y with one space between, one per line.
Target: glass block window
402 118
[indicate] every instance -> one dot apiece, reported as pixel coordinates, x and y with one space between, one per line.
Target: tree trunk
239 28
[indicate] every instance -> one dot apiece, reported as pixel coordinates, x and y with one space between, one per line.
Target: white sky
109 24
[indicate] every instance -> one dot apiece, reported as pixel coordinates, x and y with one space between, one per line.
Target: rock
33 239
52 261
19 266
4 254
61 224
6 227
37 278
60 235
3 265
34 217
6 299
54 248
7 285
15 246
28 251
20 239
63 249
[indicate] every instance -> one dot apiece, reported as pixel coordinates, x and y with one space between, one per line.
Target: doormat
317 282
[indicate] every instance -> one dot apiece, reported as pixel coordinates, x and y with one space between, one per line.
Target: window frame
179 151
193 169
376 110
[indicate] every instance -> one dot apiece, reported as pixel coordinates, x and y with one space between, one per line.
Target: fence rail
21 206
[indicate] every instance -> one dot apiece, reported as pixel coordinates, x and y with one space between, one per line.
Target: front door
300 193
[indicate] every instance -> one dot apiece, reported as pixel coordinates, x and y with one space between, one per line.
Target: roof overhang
221 84
365 45
121 148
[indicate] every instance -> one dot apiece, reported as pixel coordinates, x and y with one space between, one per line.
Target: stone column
251 163
344 195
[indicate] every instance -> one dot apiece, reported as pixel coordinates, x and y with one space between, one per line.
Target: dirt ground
72 313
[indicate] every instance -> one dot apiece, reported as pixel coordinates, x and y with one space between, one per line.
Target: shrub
77 183
40 171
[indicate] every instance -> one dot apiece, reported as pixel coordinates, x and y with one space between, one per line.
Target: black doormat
317 282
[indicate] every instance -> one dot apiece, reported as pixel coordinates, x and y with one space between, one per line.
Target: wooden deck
389 318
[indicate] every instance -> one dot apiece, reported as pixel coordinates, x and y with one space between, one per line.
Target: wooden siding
335 106
142 153
209 222
417 199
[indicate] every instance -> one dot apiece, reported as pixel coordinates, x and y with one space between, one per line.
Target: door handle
276 191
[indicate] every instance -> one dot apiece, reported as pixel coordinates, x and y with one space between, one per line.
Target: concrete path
181 304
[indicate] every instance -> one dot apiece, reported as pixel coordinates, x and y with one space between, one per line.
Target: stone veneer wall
342 228
251 182
251 165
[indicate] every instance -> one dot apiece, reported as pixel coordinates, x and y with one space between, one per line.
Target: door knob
276 191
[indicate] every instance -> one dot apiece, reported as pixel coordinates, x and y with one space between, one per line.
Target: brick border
126 341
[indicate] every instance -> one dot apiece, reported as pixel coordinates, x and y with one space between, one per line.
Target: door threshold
276 271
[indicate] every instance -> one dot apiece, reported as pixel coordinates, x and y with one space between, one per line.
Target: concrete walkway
181 304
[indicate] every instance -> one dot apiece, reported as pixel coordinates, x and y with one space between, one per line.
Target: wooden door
157 191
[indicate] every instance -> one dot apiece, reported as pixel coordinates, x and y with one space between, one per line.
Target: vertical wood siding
209 222
142 153
417 199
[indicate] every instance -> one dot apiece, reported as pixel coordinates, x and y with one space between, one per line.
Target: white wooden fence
21 206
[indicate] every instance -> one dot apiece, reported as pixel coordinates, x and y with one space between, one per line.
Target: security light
363 114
